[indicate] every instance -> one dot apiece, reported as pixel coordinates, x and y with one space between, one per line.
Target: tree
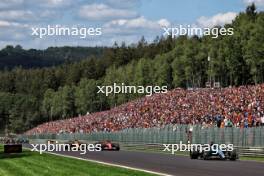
251 10
86 97
47 104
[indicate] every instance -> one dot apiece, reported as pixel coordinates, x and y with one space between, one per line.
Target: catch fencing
171 134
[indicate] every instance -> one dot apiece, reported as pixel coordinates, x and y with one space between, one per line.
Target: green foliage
18 112
86 97
11 57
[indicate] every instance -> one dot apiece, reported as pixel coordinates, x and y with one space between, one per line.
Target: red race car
108 145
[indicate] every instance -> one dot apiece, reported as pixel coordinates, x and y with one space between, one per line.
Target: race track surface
175 165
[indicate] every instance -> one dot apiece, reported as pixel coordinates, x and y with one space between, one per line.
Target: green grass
33 164
247 158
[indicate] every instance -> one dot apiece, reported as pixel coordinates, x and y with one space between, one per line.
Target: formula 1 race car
51 142
74 143
213 153
108 145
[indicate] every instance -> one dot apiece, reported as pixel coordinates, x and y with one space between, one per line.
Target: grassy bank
33 164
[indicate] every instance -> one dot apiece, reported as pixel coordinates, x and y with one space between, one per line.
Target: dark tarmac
175 165
172 164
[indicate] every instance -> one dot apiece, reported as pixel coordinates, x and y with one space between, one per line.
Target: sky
119 20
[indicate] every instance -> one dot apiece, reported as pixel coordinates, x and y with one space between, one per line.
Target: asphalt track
174 165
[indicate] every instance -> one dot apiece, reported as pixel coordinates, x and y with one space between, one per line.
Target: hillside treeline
13 56
32 96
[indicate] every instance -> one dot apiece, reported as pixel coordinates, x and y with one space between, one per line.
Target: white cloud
13 25
5 4
28 15
104 12
17 15
140 22
49 14
257 2
219 19
131 30
164 23
12 31
54 3
20 4
123 3
5 24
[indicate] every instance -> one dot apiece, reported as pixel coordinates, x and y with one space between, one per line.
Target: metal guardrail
252 151
249 141
151 147
243 151
245 137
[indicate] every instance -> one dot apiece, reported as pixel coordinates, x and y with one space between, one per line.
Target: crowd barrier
249 141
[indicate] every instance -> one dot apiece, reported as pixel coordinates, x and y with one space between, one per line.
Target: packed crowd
241 107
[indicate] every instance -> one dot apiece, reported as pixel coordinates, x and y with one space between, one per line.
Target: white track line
111 164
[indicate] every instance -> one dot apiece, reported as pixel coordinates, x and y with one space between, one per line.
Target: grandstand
241 107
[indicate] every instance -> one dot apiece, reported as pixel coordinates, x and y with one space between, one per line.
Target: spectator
234 106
